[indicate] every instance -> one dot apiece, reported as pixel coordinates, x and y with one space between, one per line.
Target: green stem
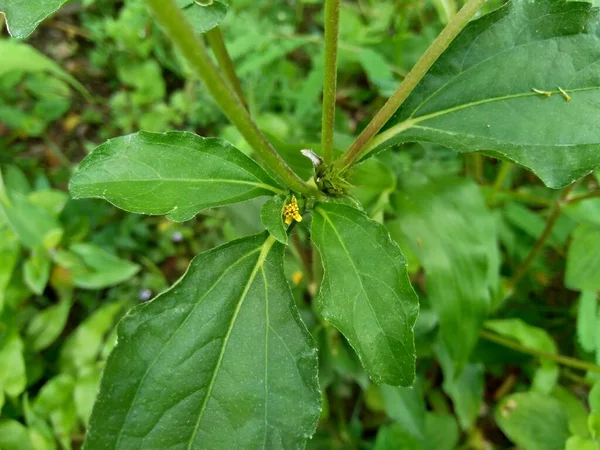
437 47
332 18
217 43
564 360
579 198
180 32
499 181
539 245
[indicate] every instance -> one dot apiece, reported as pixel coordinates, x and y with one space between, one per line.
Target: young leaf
533 421
22 17
178 174
9 254
271 216
366 292
587 320
203 18
583 264
222 358
48 324
479 96
13 378
453 235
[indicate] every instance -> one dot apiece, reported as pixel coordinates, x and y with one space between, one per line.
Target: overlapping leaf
445 221
366 292
221 360
176 173
22 17
479 97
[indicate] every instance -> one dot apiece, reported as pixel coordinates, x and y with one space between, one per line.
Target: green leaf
222 357
36 270
533 421
178 174
99 268
575 410
366 292
587 320
82 347
466 389
271 216
24 58
438 216
581 443
54 394
24 17
583 265
594 398
34 227
87 385
546 376
9 254
441 432
522 46
12 369
405 406
204 17
394 437
14 436
46 326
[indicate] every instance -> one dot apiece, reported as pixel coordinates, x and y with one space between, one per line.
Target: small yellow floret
291 212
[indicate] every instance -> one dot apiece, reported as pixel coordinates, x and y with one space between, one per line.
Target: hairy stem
437 47
539 245
217 44
180 32
563 360
332 18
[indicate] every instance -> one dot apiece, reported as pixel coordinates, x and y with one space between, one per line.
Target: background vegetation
70 269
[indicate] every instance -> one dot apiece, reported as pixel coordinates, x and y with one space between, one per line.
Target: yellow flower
291 212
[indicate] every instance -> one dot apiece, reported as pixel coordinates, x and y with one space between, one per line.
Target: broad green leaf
82 347
14 436
546 376
9 254
583 264
36 270
178 174
203 17
51 200
533 421
12 369
46 326
366 292
453 235
522 46
222 357
22 17
98 268
594 398
24 58
271 216
587 320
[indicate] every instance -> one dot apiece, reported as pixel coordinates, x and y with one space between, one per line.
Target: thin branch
499 181
437 47
563 360
181 33
332 18
539 245
217 44
579 198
